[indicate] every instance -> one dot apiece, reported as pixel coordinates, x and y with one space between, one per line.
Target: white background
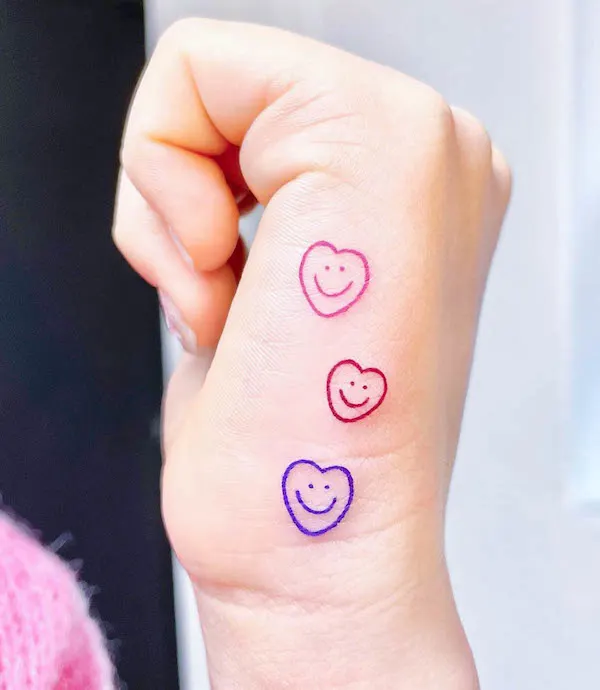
524 556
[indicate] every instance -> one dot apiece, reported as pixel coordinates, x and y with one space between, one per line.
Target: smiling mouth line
310 510
332 294
351 404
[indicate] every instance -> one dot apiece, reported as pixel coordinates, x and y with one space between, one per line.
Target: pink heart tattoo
333 279
353 392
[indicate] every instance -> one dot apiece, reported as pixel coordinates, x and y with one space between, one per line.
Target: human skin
345 151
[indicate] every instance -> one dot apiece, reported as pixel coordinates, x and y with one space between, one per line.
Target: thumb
210 88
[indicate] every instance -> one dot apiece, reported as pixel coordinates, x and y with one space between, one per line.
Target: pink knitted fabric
47 639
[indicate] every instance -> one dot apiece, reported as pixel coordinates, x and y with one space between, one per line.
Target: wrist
293 649
385 627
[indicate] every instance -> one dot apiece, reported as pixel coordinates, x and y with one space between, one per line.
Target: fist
306 476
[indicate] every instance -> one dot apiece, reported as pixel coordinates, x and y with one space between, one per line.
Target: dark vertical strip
80 367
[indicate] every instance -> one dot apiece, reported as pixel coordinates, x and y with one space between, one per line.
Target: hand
347 152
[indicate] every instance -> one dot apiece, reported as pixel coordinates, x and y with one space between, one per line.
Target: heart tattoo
353 392
333 279
316 498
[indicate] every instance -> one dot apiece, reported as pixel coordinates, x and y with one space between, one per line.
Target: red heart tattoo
353 392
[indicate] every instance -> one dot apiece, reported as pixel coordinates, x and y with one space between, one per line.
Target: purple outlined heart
353 393
333 279
316 498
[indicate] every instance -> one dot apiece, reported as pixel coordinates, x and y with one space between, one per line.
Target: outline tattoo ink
317 498
353 393
333 279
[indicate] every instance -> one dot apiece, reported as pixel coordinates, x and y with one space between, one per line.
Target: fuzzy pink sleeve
47 639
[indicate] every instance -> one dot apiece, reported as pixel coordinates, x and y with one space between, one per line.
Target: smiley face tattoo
332 279
353 393
317 498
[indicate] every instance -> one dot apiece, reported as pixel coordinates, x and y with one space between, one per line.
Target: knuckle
472 123
126 154
132 154
435 104
434 126
474 132
435 111
503 174
501 164
119 239
120 236
115 230
431 118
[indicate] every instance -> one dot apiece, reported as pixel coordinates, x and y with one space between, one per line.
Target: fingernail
176 324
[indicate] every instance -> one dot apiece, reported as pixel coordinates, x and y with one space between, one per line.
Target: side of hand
347 342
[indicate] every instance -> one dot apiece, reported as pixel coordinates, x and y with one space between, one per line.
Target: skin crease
342 150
